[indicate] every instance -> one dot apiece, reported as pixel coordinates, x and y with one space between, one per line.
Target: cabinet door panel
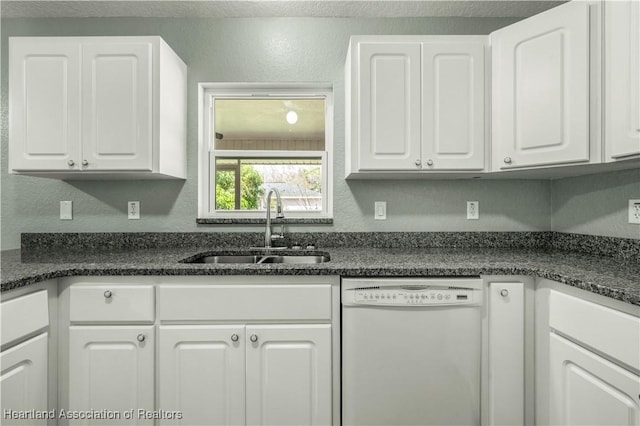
23 381
506 353
453 106
389 106
117 90
110 369
622 78
44 85
589 390
289 375
201 374
541 89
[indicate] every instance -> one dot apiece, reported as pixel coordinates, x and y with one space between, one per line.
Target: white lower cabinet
23 381
229 350
253 374
592 360
508 397
202 373
586 389
111 370
235 351
289 374
24 370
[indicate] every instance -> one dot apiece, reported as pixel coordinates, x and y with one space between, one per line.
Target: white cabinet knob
253 338
507 160
234 337
418 163
504 292
85 163
108 294
141 338
429 162
71 163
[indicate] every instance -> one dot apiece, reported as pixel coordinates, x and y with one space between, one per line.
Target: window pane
269 124
299 181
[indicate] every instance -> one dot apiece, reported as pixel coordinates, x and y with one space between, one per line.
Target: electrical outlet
66 210
133 210
634 211
473 210
380 208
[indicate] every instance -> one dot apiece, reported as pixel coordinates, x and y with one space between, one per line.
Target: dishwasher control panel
442 296
411 292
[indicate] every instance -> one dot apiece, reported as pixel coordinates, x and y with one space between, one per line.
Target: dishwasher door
411 351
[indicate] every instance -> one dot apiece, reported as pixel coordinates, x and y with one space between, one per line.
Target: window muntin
245 153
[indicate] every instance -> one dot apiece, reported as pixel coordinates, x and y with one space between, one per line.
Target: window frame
207 93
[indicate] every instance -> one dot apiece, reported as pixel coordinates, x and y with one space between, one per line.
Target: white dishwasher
411 351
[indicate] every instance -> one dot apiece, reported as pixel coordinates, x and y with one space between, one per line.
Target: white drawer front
612 332
111 303
244 302
24 315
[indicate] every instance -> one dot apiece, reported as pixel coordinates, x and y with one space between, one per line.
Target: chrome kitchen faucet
268 237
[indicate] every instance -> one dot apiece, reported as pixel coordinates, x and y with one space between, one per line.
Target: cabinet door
453 120
622 78
117 87
540 89
289 374
589 390
506 353
44 104
23 381
112 368
201 373
388 111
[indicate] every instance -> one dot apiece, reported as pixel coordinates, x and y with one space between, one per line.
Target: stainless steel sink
293 259
226 259
258 259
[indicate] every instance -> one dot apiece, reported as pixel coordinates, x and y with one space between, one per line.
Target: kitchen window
254 137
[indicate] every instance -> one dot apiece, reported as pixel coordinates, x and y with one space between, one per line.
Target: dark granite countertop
611 277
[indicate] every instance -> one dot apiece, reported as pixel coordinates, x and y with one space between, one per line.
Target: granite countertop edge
603 276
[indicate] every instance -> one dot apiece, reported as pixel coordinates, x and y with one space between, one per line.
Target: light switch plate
66 210
380 210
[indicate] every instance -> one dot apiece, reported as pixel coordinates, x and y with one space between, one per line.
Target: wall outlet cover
634 212
473 210
133 210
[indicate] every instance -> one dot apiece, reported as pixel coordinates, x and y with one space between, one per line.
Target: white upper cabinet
117 106
96 107
541 87
415 104
622 79
387 109
44 111
453 105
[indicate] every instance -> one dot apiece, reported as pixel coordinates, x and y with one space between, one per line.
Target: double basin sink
257 258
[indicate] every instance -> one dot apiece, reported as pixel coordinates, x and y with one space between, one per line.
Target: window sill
262 221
